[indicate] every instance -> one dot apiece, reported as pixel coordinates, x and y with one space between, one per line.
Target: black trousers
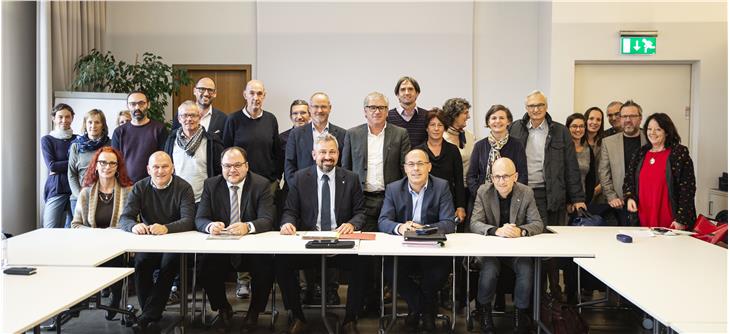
288 265
153 295
432 273
215 267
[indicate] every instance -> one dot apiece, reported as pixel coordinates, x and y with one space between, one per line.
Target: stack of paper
321 235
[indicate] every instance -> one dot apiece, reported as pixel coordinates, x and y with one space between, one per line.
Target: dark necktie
324 213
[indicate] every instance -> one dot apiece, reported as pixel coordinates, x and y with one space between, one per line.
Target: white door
655 87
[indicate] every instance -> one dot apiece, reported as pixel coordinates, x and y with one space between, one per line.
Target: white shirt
193 169
535 151
316 134
374 178
205 120
245 112
401 111
320 183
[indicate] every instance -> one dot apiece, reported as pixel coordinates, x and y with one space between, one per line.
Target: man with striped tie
237 202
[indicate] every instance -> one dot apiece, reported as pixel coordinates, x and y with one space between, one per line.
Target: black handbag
584 218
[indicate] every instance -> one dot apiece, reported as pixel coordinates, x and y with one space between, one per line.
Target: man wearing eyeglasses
507 209
552 169
140 137
212 119
616 153
238 202
614 118
162 203
410 203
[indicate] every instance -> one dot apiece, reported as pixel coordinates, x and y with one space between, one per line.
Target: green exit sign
638 45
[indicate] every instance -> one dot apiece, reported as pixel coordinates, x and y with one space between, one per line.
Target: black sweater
173 206
260 138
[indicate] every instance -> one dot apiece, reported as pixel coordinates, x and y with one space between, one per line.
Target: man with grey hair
552 167
337 206
194 150
613 113
212 119
376 153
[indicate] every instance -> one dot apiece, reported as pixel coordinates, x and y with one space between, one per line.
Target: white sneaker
242 290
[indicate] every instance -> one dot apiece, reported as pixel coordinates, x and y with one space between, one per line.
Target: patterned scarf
86 144
190 145
496 146
461 134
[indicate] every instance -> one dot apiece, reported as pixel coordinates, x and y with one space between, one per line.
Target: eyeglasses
614 115
416 164
536 106
376 108
323 106
104 163
237 165
137 103
502 178
575 126
184 116
205 89
630 116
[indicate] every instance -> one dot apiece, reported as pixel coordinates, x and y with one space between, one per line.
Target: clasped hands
290 229
408 226
154 229
239 228
508 231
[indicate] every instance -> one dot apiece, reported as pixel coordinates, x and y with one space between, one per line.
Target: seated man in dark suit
238 202
507 209
410 203
164 204
337 206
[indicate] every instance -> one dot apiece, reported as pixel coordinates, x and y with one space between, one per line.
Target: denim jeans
73 209
489 274
57 212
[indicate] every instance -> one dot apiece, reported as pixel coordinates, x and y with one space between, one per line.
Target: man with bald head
505 209
158 204
410 203
212 119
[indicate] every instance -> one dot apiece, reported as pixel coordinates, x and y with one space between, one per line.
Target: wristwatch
523 232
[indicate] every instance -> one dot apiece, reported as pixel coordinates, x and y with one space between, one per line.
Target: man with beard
140 137
338 206
406 114
212 119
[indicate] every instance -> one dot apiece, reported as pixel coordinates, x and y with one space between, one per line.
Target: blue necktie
324 213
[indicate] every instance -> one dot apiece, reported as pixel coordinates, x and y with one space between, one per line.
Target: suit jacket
395 146
611 165
214 147
437 208
522 211
257 203
217 122
302 205
299 148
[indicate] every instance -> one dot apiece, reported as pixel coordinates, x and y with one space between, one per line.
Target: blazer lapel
494 205
339 191
308 141
312 183
409 201
514 207
245 192
428 196
226 200
386 147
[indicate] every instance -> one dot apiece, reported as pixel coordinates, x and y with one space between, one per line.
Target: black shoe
142 325
412 320
250 322
429 323
297 327
333 298
522 321
486 323
225 318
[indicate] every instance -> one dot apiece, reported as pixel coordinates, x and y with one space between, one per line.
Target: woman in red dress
660 181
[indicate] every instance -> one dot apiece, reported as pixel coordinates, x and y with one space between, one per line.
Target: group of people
401 170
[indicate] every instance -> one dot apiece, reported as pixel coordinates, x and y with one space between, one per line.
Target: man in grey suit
616 153
507 210
376 153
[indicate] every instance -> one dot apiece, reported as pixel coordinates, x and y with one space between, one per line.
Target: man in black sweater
164 204
406 114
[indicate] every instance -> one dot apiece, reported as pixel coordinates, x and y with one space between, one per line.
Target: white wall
688 32
183 32
351 49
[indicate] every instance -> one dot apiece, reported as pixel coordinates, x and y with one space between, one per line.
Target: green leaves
98 72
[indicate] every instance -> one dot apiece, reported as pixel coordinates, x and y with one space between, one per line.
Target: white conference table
66 247
699 327
28 301
471 244
675 279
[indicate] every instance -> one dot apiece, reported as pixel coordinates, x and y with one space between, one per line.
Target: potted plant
101 72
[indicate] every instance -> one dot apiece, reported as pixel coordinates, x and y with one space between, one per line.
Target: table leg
394 293
37 329
453 294
125 285
323 302
183 290
468 293
536 298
